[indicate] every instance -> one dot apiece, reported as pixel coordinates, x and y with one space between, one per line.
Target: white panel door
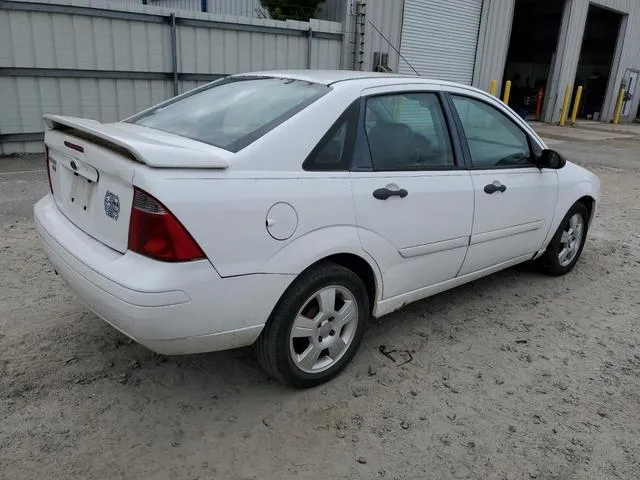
414 204
439 38
514 200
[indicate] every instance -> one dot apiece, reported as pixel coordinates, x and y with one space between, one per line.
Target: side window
333 152
408 131
493 139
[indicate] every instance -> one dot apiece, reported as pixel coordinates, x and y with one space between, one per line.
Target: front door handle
384 193
494 187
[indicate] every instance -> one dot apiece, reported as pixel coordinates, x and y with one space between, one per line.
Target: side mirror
551 159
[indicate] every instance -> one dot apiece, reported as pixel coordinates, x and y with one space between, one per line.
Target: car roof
326 77
365 79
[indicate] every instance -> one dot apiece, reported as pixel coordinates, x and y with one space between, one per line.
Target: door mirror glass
551 159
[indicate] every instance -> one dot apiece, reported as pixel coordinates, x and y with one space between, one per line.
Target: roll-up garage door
439 38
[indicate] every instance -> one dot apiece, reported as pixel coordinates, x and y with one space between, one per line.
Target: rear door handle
494 187
384 193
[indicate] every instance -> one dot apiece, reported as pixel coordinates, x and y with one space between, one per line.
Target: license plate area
81 191
78 181
92 188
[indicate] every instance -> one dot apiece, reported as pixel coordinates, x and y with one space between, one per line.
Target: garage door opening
596 57
532 47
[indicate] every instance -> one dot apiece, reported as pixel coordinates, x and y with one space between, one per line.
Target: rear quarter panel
227 216
226 210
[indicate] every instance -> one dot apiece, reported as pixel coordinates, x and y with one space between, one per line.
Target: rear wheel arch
273 347
357 264
360 267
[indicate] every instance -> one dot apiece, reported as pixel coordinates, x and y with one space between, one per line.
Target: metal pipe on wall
174 52
309 46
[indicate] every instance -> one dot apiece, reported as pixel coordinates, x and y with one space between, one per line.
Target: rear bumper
171 308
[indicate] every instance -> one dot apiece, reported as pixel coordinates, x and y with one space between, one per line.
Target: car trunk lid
92 168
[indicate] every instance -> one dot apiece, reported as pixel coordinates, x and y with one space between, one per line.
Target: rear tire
565 247
316 328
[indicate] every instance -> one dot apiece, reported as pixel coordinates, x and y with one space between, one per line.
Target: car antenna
391 45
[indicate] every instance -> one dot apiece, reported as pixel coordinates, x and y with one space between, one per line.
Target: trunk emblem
112 205
74 165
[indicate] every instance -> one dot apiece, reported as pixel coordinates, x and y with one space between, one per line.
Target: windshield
233 112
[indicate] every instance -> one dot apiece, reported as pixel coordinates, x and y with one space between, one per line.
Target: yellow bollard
618 114
565 105
507 92
576 105
493 88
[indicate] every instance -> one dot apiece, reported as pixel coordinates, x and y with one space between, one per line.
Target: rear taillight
47 164
156 233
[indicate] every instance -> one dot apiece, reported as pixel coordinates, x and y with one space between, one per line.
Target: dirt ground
516 376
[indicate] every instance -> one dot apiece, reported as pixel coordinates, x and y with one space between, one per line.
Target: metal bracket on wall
174 52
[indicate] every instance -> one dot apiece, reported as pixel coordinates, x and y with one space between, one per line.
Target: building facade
542 46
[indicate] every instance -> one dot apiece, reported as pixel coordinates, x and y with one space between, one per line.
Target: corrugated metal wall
493 42
242 8
130 2
386 16
382 28
193 5
85 62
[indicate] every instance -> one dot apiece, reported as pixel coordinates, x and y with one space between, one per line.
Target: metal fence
243 8
107 63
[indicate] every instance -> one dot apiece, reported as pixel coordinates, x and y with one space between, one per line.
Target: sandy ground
516 376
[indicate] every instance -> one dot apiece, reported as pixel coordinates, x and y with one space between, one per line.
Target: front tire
566 245
316 328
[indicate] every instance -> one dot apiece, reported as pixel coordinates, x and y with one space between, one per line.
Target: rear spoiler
150 147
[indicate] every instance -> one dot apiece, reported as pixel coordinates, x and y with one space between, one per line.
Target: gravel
519 376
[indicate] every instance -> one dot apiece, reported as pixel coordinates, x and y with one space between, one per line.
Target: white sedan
285 209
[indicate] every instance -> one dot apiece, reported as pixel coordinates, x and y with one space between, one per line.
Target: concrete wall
111 60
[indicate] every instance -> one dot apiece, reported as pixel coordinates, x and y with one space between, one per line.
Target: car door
413 197
514 199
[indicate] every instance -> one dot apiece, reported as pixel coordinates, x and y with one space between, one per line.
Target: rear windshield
231 113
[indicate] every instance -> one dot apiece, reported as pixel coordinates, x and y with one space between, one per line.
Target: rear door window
408 131
234 112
